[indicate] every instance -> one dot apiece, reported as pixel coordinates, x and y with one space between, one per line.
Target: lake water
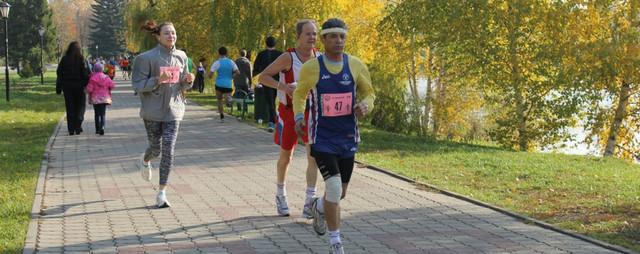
576 146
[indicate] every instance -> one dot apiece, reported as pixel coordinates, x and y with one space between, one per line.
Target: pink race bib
337 104
173 71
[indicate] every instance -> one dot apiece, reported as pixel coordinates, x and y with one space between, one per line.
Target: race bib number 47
337 104
173 72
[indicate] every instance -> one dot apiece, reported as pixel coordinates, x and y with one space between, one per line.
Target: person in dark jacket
72 78
200 72
242 80
263 60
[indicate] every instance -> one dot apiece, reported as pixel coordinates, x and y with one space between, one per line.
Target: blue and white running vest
225 73
333 126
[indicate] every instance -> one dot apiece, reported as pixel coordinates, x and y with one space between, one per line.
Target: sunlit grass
591 195
26 122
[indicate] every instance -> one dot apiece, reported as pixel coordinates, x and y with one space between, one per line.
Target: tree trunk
427 99
620 115
441 87
516 82
412 70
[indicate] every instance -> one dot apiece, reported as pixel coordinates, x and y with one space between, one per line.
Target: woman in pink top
99 90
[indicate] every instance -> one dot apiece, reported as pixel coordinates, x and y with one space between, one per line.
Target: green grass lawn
26 122
590 195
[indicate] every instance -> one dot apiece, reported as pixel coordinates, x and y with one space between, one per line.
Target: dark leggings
270 98
162 139
332 165
199 82
100 110
74 101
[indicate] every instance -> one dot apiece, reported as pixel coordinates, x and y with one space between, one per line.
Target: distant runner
225 69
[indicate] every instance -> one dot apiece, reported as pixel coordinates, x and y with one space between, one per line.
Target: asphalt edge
32 232
517 216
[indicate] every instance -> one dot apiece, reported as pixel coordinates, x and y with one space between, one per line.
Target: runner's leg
220 107
282 206
283 165
312 179
169 136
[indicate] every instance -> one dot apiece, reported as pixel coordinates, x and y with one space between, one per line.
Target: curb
32 232
525 219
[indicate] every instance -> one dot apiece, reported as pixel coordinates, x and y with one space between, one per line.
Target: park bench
244 99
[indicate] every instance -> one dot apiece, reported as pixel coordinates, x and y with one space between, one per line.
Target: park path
222 192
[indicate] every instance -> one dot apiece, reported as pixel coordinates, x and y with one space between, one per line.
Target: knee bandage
333 189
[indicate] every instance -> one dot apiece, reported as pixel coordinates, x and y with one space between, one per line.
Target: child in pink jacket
99 90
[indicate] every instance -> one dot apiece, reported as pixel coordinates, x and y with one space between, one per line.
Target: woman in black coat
72 79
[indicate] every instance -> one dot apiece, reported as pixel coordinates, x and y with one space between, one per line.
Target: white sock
320 205
311 192
163 192
334 237
282 189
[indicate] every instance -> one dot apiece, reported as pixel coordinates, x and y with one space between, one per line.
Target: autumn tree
607 67
71 19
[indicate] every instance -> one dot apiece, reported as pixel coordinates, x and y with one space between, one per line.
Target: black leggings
270 98
332 165
74 100
100 110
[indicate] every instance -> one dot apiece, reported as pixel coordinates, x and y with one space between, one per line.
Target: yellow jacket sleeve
364 88
309 74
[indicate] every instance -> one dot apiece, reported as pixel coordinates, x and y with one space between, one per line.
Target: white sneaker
161 201
319 224
306 210
229 101
145 169
336 248
282 206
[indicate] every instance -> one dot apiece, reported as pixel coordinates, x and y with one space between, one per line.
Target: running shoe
229 101
161 201
336 248
145 169
281 205
270 127
306 211
319 224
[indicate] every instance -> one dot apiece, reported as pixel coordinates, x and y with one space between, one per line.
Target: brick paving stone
214 250
222 191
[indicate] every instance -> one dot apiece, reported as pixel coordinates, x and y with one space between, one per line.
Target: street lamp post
4 10
97 52
41 32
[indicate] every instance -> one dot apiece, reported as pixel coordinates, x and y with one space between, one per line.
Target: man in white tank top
288 66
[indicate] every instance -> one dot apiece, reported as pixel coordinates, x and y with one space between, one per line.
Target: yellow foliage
362 18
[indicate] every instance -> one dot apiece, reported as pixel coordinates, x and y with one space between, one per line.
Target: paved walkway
222 192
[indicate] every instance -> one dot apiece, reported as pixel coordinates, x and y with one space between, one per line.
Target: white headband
339 30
